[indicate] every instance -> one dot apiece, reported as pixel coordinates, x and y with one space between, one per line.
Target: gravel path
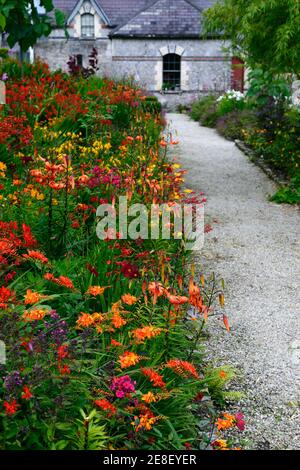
255 247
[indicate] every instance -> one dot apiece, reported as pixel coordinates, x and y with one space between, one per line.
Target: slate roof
149 18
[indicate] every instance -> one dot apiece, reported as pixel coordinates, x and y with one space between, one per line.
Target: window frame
88 26
171 72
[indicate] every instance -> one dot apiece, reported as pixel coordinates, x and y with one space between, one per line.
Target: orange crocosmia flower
65 282
226 323
36 255
223 374
177 299
116 308
149 398
85 320
118 321
145 421
115 343
96 290
33 315
26 395
163 143
226 422
49 277
154 377
128 299
147 332
32 297
220 444
183 368
128 359
105 405
156 289
195 294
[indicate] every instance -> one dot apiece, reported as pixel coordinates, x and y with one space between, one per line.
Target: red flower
11 407
26 395
240 422
29 240
129 270
62 352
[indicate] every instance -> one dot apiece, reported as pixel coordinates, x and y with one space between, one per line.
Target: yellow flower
149 397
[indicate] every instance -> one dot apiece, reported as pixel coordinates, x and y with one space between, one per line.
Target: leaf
59 18
47 4
2 22
226 323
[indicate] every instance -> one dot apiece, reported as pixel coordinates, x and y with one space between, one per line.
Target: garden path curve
255 247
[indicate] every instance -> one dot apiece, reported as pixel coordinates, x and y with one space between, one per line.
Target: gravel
255 247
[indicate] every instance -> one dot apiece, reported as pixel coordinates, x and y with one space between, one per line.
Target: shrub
234 124
152 105
231 100
202 106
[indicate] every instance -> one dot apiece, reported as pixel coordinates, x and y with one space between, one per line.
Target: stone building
158 43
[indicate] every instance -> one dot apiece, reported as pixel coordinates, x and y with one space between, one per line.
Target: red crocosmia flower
240 421
105 405
64 370
11 407
36 255
29 240
26 395
62 352
92 269
187 445
6 296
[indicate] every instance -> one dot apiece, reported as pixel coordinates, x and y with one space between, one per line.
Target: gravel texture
255 247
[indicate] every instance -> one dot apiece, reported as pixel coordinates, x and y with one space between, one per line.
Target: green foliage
266 32
263 85
219 377
289 194
233 125
87 433
24 25
152 105
202 106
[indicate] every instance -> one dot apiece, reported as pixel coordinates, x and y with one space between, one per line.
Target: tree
21 20
266 32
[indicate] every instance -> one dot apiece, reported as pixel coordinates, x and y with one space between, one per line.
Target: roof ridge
134 16
193 5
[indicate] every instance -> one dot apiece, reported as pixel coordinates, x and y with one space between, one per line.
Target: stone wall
204 67
57 50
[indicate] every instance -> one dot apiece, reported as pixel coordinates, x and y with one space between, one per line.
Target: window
87 25
171 72
79 61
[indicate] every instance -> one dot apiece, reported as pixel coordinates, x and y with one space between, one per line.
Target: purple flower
4 77
13 381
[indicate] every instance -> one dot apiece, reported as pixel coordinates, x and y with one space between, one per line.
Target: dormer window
87 25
